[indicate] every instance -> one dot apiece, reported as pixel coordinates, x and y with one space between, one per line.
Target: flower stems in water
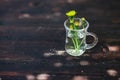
74 27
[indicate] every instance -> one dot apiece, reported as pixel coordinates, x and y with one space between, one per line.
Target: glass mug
75 43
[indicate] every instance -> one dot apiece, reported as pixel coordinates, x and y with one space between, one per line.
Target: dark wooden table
32 39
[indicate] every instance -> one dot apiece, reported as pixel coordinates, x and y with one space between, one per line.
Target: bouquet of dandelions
75 40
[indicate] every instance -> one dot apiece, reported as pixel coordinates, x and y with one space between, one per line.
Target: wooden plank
32 39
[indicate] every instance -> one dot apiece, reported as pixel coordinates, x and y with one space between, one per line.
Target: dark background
32 39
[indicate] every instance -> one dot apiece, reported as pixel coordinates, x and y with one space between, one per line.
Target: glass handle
89 46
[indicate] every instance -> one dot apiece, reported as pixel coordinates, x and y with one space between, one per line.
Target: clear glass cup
75 43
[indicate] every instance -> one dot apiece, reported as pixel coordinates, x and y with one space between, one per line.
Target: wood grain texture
32 38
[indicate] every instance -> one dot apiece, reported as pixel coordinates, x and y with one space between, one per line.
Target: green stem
72 24
81 42
75 38
74 43
77 41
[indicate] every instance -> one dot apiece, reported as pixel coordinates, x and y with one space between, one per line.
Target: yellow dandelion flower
76 23
71 13
71 27
83 19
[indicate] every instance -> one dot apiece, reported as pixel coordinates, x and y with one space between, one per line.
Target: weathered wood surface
32 39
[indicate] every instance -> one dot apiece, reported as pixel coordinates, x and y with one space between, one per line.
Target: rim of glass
78 29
